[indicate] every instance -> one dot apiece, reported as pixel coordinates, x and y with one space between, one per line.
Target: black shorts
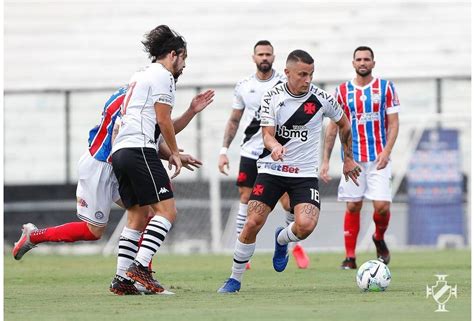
247 172
141 176
269 188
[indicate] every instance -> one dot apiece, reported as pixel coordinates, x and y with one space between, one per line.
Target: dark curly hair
161 41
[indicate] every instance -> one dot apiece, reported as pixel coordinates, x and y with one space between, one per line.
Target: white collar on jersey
366 86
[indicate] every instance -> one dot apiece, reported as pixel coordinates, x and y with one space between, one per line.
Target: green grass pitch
66 288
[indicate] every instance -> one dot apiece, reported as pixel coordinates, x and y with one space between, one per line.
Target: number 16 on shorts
314 194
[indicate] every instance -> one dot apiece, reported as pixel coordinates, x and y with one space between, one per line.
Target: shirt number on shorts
314 194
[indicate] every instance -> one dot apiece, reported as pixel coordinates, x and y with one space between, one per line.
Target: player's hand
176 161
202 100
223 164
278 152
323 174
351 170
382 159
189 162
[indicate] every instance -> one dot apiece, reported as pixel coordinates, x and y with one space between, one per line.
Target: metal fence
421 95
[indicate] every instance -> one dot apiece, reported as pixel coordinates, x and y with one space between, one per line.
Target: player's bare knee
253 223
354 207
304 227
382 207
244 194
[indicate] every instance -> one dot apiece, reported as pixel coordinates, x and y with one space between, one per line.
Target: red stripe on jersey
342 100
388 103
102 132
376 108
360 127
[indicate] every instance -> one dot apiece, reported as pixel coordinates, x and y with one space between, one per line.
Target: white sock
242 254
128 248
153 237
290 218
286 235
241 217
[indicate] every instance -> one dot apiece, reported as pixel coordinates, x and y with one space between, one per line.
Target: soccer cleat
122 286
349 263
230 286
145 291
280 256
139 273
142 289
24 244
301 258
383 254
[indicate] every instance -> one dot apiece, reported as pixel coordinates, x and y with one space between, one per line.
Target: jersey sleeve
267 111
391 98
163 89
238 101
340 101
332 109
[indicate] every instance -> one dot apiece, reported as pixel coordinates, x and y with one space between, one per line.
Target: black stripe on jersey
251 129
299 118
157 132
254 125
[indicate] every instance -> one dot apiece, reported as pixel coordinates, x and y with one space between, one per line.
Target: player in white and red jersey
372 106
246 112
291 119
97 188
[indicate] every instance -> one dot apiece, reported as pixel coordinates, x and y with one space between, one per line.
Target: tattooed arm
350 168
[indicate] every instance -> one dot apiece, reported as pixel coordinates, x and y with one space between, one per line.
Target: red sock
69 232
140 243
381 224
351 231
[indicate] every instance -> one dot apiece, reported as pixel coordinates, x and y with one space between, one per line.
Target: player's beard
365 73
264 67
176 71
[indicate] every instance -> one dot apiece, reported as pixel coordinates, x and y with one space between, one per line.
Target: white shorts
97 188
375 185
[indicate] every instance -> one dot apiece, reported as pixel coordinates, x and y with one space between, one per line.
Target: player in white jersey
291 118
143 181
246 112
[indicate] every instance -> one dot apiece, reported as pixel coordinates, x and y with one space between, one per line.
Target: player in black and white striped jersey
291 120
246 113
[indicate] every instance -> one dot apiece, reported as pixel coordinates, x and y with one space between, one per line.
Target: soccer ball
373 276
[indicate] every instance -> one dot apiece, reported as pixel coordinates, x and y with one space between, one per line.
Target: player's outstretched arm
392 132
230 130
329 140
199 102
188 161
350 168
